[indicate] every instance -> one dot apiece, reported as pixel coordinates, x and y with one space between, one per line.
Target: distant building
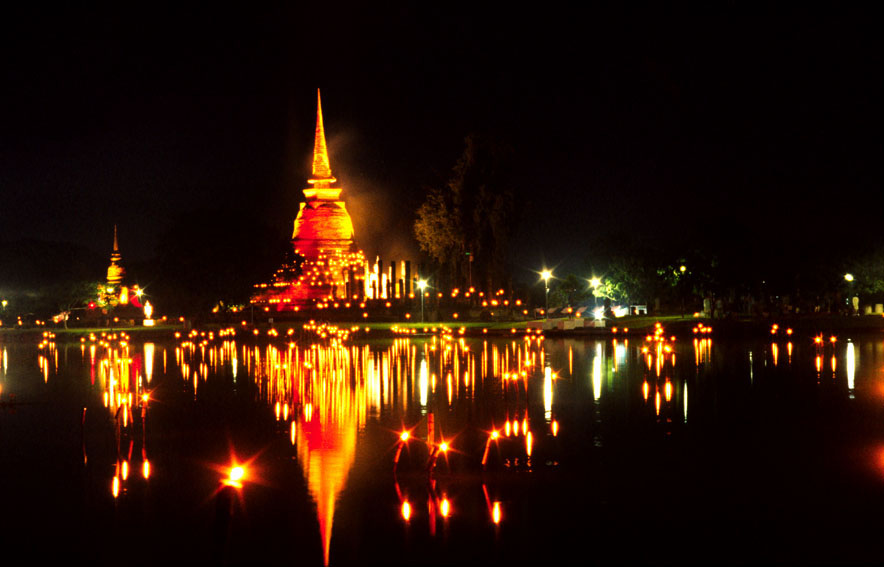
115 272
116 297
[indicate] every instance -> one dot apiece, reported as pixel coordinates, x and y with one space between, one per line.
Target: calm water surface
695 450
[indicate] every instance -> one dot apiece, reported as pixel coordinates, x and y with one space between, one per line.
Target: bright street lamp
546 274
595 282
848 277
421 285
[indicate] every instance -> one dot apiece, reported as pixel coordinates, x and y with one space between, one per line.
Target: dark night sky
732 118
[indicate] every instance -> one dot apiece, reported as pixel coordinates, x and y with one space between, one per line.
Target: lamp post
848 277
546 274
470 266
682 269
421 285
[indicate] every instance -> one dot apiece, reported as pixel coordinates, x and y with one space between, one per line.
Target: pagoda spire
115 271
321 169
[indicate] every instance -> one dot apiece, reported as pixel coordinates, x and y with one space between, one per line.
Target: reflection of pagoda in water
332 266
333 389
326 451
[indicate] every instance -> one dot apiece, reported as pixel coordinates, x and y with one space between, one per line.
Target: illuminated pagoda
331 265
114 292
115 272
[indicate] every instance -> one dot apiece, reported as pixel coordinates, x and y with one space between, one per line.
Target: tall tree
437 229
467 226
569 291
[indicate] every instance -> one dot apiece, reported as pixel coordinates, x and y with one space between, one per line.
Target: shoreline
800 326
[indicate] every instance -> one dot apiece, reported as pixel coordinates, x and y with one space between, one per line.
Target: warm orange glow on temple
115 272
333 267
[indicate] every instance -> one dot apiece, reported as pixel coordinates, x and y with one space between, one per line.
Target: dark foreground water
613 451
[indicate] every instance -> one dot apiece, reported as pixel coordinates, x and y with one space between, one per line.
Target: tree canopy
466 227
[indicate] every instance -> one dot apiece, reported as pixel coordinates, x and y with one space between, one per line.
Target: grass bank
638 325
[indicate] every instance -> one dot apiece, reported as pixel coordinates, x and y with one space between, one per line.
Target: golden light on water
445 507
597 373
570 360
684 401
236 474
333 413
324 393
423 384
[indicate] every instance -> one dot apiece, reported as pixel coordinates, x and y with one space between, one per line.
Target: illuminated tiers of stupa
333 267
115 272
115 292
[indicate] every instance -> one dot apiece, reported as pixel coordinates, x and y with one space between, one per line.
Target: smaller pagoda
115 292
115 272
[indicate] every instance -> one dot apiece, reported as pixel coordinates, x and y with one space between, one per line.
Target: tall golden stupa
116 291
333 266
115 272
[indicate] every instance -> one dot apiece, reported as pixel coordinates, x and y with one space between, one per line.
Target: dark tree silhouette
467 227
